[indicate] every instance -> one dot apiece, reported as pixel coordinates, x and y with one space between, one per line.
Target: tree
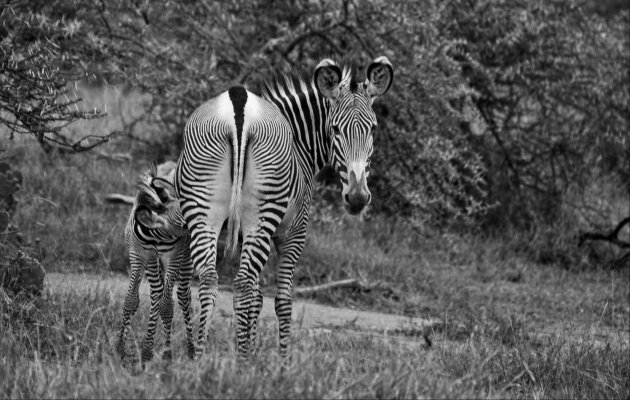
184 53
37 69
553 91
502 112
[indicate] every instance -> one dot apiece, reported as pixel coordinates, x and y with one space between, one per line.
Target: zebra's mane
286 77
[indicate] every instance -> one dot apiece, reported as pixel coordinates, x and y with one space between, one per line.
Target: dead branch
612 237
344 283
623 262
119 157
326 286
117 198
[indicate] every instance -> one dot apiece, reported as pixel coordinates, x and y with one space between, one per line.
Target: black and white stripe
251 159
164 253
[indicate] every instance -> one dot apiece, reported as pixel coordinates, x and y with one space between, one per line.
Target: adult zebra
251 159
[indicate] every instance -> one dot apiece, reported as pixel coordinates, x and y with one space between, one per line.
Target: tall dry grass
64 347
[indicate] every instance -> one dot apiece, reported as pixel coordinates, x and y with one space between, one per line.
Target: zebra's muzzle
358 195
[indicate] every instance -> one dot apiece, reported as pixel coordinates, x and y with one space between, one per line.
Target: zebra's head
157 205
350 122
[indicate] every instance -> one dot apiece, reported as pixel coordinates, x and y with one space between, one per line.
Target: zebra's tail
234 215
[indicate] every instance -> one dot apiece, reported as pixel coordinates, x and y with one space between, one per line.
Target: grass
64 347
62 214
511 326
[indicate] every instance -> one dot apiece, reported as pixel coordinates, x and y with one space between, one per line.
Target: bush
20 274
501 112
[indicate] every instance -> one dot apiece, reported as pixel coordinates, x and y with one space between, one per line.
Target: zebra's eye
336 131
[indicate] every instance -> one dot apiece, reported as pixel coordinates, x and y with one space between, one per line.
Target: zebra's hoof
198 351
284 355
147 356
120 349
191 352
242 354
167 355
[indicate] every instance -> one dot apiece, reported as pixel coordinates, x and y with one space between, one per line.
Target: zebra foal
158 243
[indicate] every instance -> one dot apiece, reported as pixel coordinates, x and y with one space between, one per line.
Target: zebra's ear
327 76
380 75
164 190
150 219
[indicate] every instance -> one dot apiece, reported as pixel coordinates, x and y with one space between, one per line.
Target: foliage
182 64
553 91
21 276
502 112
36 69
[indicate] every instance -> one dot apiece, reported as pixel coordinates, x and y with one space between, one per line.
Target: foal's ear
150 219
327 76
380 75
164 189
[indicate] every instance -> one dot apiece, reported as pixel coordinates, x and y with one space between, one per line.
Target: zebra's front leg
247 298
132 300
154 276
289 249
184 299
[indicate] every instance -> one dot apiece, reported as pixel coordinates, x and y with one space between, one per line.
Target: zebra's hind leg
132 301
289 249
154 276
204 256
208 288
184 297
166 305
204 234
264 203
247 302
254 312
205 191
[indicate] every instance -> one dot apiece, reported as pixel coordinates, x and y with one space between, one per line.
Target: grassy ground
511 327
63 347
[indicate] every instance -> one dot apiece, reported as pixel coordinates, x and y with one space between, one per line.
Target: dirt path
308 315
316 317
